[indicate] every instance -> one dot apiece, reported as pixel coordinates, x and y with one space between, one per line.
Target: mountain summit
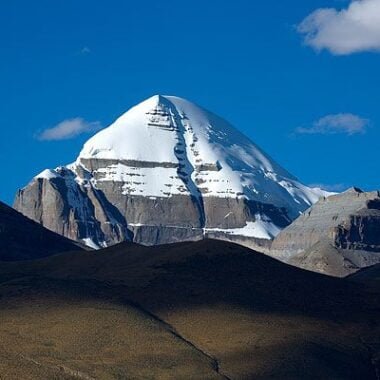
167 170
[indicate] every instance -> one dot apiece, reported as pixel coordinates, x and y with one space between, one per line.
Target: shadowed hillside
199 310
23 239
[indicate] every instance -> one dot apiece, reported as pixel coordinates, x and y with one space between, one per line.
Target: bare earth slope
200 310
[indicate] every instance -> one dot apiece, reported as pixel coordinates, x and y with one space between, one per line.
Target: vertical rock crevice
185 168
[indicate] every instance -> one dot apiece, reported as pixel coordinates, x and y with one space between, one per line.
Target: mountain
165 171
195 310
24 239
337 236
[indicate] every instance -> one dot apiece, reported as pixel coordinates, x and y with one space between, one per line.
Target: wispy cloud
85 50
334 188
351 30
68 129
346 123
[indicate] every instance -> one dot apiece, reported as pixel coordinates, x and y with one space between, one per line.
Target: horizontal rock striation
107 216
346 226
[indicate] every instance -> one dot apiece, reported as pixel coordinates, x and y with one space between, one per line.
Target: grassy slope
227 308
52 329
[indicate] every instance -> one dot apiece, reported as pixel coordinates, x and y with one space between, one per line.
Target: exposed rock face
78 212
166 171
24 239
338 235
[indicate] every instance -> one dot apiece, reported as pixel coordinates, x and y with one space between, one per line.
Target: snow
261 228
217 159
131 137
90 243
47 174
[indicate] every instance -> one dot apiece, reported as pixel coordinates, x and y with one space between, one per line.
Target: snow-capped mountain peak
171 133
169 170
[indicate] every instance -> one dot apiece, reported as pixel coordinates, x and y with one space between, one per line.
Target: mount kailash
166 171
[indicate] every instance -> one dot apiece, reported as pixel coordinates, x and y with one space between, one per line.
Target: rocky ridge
338 235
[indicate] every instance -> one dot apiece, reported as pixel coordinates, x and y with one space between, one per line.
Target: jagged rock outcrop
337 236
166 171
24 239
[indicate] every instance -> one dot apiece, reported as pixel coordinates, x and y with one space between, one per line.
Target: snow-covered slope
169 148
164 132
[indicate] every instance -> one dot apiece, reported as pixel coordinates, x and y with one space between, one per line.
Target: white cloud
68 129
346 123
351 30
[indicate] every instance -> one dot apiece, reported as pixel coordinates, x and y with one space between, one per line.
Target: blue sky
245 60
